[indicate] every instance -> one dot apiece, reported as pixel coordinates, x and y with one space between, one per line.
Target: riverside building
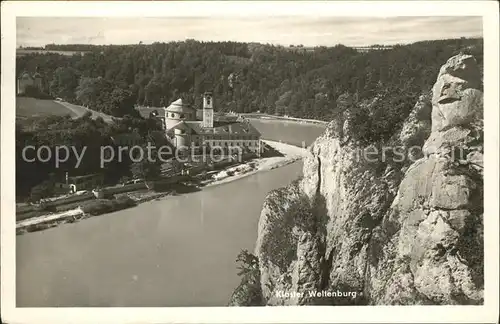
189 127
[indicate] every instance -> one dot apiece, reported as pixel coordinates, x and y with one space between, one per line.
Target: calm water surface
288 132
175 252
179 251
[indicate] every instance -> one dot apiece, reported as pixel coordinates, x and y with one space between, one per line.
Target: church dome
179 107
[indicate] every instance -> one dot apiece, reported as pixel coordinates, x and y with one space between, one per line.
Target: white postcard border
313 314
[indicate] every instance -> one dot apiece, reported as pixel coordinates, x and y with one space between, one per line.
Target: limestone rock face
307 270
353 198
417 127
433 233
392 236
272 278
457 97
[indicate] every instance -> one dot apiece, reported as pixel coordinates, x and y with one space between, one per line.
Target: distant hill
22 52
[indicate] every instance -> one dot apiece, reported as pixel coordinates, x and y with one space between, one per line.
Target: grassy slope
31 107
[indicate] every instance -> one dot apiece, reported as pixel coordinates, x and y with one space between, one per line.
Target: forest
245 77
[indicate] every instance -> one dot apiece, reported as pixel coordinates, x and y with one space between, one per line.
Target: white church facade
187 127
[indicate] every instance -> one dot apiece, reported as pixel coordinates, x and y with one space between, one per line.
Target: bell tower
208 110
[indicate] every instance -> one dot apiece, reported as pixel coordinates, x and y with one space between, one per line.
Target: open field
31 107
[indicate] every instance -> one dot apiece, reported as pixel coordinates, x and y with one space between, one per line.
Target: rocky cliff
398 224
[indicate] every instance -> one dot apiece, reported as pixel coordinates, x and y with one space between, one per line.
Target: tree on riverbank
147 168
248 293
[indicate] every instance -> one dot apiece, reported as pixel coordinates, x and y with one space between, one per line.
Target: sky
306 30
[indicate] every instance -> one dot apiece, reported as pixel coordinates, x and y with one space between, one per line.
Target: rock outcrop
407 233
431 241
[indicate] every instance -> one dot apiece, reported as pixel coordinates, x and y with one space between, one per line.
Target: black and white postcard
238 162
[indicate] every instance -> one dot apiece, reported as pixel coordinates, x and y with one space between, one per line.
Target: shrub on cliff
280 246
378 121
248 292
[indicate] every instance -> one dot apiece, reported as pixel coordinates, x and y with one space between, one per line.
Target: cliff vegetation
389 209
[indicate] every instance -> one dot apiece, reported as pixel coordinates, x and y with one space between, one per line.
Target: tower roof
179 107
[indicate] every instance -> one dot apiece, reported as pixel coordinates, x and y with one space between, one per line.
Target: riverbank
87 209
287 154
290 154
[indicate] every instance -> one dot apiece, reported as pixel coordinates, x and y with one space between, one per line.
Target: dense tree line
245 77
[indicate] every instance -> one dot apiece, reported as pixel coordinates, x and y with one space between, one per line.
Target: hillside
32 107
383 229
244 77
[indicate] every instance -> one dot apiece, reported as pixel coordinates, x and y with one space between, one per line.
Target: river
299 134
179 251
